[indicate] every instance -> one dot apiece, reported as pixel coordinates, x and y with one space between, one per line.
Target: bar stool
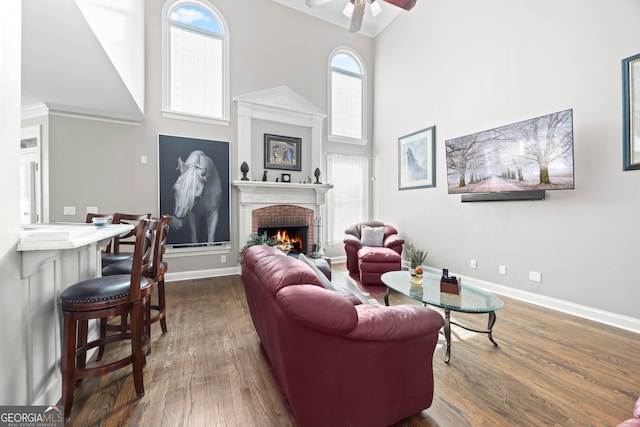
156 273
101 298
114 251
158 269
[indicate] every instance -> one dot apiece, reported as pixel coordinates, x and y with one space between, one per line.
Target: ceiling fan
354 9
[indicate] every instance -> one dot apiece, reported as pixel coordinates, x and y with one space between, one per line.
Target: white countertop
37 237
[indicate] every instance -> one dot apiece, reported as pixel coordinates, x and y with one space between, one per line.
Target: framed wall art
282 152
194 188
631 112
416 159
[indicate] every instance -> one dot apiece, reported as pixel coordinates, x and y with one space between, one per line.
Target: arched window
346 97
196 62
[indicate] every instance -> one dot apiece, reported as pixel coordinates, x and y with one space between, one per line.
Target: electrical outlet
69 210
92 209
502 269
473 264
534 276
143 160
223 258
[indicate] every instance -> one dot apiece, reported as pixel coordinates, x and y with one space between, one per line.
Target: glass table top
470 300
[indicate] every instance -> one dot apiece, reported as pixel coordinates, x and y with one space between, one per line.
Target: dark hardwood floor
550 369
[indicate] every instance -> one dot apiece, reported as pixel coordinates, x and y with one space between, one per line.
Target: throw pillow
326 283
371 236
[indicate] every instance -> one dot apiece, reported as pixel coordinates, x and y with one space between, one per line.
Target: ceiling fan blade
405 4
312 3
356 19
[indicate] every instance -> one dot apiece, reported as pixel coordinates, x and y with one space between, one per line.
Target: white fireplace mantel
258 194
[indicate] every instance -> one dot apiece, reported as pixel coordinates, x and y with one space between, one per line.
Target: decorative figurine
244 168
264 176
317 175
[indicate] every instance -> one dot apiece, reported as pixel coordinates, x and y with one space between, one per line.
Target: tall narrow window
348 201
347 97
196 77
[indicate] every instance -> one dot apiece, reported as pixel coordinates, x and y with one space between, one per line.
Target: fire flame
287 241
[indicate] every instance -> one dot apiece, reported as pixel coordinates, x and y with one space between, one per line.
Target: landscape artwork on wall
416 159
535 154
194 188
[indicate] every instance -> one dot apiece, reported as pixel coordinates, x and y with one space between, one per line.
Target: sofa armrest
393 241
380 323
317 308
352 241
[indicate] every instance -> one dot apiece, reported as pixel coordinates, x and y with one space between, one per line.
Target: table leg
447 335
386 297
492 321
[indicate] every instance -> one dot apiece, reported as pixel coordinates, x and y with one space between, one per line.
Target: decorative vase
244 168
416 276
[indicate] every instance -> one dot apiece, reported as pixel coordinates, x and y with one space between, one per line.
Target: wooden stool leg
103 334
147 320
68 362
161 304
81 355
137 330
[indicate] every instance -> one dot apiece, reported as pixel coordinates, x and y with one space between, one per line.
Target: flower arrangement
416 258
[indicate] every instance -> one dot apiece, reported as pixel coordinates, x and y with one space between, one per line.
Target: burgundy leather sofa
337 362
369 262
635 421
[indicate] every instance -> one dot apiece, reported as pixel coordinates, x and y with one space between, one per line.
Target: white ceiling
65 67
332 12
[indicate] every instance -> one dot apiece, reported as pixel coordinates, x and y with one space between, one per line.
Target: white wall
467 66
12 371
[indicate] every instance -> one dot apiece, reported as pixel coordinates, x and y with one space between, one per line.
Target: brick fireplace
276 204
285 218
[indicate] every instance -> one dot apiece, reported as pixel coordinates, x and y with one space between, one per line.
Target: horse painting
197 193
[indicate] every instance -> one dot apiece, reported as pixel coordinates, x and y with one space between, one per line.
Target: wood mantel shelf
281 192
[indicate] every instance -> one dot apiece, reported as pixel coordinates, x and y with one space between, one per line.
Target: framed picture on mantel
282 152
631 112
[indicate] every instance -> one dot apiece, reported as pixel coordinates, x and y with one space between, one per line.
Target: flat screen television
513 162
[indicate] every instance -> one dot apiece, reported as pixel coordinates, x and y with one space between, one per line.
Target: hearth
292 239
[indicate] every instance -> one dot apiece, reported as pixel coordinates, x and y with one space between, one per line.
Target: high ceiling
331 11
65 67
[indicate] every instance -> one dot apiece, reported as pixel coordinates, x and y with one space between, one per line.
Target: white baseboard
202 274
608 318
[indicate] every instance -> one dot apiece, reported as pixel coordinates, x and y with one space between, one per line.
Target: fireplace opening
290 239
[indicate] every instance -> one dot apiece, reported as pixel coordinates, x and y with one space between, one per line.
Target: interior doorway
31 175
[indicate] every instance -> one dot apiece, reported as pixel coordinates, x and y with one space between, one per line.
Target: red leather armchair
338 363
370 262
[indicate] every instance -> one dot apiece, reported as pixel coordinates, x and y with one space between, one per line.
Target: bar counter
54 256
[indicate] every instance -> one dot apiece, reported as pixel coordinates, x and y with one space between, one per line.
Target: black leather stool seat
109 258
109 289
124 267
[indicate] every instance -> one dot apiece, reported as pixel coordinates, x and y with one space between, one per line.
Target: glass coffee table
471 299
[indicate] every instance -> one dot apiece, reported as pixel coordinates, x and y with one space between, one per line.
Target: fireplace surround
275 204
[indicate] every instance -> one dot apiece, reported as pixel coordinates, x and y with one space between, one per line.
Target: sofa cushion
372 236
326 283
319 309
376 255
